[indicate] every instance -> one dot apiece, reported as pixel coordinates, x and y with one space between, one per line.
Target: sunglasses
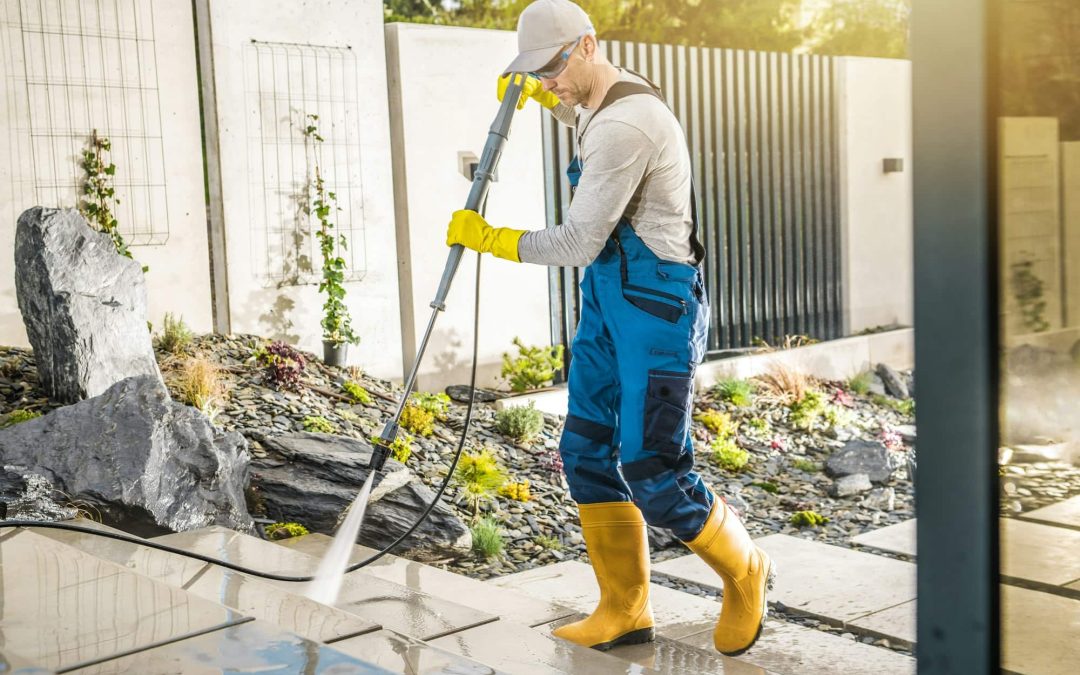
557 65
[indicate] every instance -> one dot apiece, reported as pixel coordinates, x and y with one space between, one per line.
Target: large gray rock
312 478
83 304
858 456
145 462
894 383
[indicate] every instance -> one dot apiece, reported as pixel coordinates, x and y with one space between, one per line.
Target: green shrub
279 531
400 449
519 492
318 424
436 404
418 420
719 423
357 393
17 417
837 417
806 410
760 425
487 538
548 543
175 335
904 407
808 519
480 477
348 415
737 392
521 423
860 382
771 488
533 368
807 465
728 455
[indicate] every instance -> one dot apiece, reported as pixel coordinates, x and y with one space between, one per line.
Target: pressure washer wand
485 171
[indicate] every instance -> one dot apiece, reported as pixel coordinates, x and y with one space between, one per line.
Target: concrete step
506 604
248 595
790 649
845 587
673 657
899 538
1066 513
1039 632
403 654
380 602
349 634
64 607
573 584
518 649
690 619
250 647
17 664
1042 552
1045 554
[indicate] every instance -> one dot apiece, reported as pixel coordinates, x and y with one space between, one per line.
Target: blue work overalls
641 335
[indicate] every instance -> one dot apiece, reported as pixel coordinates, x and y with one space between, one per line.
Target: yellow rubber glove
469 229
533 89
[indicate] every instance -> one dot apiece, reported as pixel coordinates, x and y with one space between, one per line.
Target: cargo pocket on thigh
667 410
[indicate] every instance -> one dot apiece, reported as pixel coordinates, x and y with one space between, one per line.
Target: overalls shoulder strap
622 89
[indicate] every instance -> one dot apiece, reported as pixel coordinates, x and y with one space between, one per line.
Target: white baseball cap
545 27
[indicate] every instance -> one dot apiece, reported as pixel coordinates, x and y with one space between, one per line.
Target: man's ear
589 47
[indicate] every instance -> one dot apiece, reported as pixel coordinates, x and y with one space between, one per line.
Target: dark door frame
956 336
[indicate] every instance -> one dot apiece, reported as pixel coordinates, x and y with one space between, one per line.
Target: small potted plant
337 331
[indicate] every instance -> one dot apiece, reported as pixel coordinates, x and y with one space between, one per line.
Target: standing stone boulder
894 383
145 462
312 479
859 456
83 304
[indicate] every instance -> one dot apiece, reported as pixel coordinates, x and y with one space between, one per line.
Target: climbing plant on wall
336 322
99 195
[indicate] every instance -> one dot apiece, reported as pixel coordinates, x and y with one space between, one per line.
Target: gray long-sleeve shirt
635 162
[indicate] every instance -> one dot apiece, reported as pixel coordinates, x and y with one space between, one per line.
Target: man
626 446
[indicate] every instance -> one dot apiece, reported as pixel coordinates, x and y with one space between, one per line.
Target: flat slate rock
859 456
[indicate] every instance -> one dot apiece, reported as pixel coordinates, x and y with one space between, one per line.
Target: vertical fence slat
831 175
753 178
775 197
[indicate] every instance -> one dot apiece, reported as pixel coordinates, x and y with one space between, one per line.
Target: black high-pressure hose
477 200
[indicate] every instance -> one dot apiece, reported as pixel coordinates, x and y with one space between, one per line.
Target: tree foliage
855 27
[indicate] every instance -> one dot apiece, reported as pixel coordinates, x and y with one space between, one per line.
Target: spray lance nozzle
380 451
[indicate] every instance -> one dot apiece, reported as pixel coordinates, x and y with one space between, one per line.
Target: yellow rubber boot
619 551
747 572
